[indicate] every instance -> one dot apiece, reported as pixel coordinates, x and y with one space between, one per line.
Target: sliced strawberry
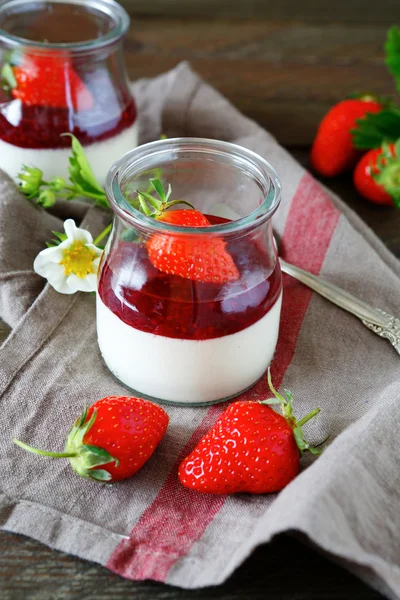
50 81
200 258
333 150
185 218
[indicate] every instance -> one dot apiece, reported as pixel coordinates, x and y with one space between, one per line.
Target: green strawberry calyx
287 411
386 171
84 458
155 207
7 78
369 97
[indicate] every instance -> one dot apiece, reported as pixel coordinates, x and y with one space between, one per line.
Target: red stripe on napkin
309 229
178 517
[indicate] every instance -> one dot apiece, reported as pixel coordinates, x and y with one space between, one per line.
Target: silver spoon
380 322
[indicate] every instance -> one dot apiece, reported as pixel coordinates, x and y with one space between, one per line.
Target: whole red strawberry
333 151
112 439
51 81
377 175
251 448
199 258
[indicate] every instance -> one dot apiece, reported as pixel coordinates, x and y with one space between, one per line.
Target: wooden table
285 73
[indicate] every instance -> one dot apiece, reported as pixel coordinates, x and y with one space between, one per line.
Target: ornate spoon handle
380 322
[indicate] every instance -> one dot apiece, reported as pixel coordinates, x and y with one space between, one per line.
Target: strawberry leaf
130 235
392 48
95 456
271 401
388 171
99 475
373 129
287 411
158 186
82 176
7 77
157 204
60 237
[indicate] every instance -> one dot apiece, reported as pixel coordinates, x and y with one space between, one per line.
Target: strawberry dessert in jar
62 71
189 285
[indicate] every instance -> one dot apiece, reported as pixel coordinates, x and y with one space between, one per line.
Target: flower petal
62 286
54 254
56 277
96 250
70 229
95 264
43 261
84 236
75 233
83 284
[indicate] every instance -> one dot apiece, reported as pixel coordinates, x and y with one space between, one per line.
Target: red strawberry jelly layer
41 127
147 299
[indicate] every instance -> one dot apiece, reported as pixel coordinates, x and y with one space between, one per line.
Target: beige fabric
346 502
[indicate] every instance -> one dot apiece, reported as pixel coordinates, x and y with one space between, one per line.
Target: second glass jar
62 71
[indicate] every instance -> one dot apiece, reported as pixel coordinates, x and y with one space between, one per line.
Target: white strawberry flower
72 265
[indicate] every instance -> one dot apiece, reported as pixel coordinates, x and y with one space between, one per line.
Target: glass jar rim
108 7
135 218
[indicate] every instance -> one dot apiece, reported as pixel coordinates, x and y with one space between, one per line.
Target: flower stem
103 234
44 452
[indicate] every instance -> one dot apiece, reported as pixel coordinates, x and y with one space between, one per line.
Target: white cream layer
54 162
187 371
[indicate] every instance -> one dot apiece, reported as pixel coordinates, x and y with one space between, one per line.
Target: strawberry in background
364 132
333 150
377 175
51 81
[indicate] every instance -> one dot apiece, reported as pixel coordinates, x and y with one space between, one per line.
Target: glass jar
62 71
206 334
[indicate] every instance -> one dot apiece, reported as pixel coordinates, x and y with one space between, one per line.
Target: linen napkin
150 527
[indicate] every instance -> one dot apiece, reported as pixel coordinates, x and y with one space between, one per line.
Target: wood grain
282 570
283 75
356 11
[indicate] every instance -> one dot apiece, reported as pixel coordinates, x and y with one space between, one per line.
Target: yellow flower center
78 259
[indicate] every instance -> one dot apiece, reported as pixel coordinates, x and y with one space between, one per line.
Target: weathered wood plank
283 75
356 11
30 571
269 40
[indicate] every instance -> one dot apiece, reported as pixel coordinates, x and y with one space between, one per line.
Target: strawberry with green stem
251 448
196 257
112 439
377 175
333 150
